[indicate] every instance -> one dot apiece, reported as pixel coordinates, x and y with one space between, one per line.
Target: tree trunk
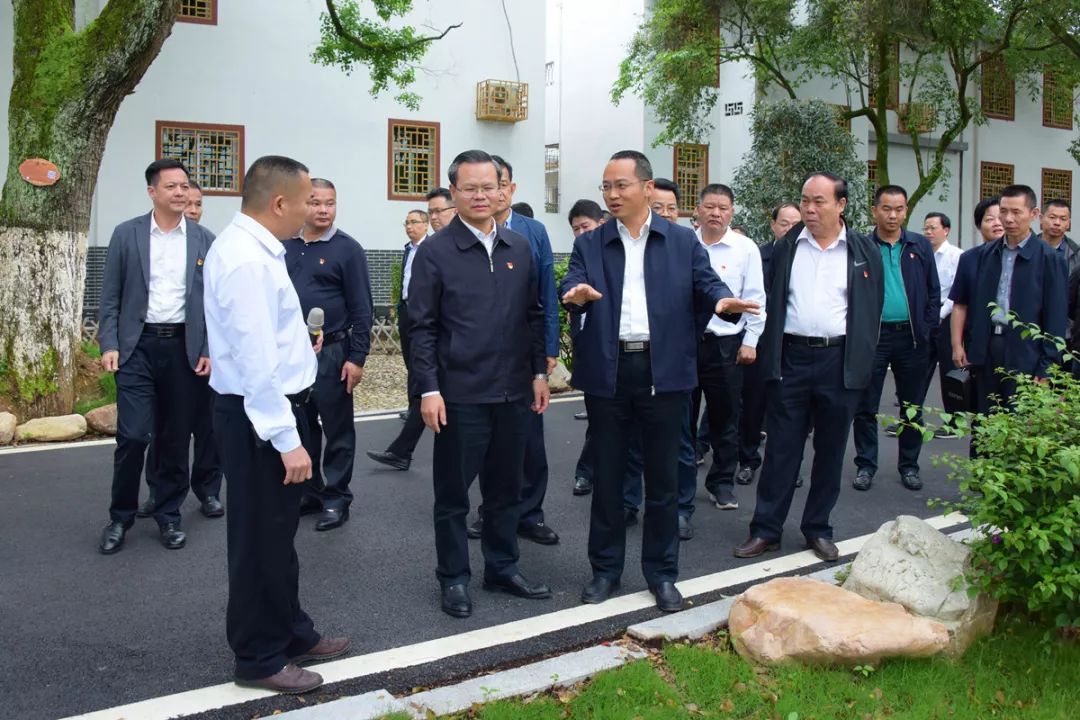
67 88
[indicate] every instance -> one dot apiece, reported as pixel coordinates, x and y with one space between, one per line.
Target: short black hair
503 165
471 157
945 221
585 208
323 183
153 170
840 185
265 178
716 189
523 208
776 210
1057 202
194 184
418 211
440 192
668 186
642 166
984 205
1024 191
889 190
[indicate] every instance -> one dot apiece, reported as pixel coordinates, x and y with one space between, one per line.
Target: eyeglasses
659 208
622 186
470 192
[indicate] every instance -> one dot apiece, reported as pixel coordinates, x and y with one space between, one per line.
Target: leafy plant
566 350
864 670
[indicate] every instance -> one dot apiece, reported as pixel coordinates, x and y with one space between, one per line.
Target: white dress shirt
818 293
737 260
946 257
259 343
634 313
168 273
407 276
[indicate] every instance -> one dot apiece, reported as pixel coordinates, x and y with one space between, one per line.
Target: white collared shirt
325 237
259 343
634 313
486 238
817 295
946 257
168 273
737 260
408 269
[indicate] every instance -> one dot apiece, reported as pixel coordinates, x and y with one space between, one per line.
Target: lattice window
1056 184
551 178
921 116
1057 101
993 177
198 11
213 154
998 90
841 119
871 177
414 159
892 100
691 173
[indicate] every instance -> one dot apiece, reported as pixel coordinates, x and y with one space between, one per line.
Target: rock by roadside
103 419
52 429
8 423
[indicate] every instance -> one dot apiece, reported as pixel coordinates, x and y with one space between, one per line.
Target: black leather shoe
863 479
403 415
629 517
745 476
756 546
582 486
456 601
147 508
583 415
310 505
332 518
212 507
668 597
823 548
474 531
598 590
517 585
112 538
172 537
686 530
390 460
911 480
538 533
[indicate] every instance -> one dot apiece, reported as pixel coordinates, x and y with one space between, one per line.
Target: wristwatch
540 376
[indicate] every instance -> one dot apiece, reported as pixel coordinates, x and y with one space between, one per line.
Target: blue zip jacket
544 260
921 283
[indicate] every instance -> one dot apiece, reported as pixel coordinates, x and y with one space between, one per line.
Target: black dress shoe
147 508
686 530
403 415
756 546
582 486
863 479
310 505
745 476
629 517
911 480
390 460
598 590
668 597
172 537
332 518
583 415
823 548
517 585
212 507
539 533
474 531
112 538
456 601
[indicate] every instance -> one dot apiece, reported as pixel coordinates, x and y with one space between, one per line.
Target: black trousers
632 484
661 420
206 475
939 356
720 381
485 440
896 348
334 407
535 477
752 414
810 393
263 621
993 390
405 443
154 392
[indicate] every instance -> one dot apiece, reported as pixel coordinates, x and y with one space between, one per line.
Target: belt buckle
817 342
633 346
999 329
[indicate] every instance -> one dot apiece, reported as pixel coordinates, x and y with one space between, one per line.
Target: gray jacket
125 289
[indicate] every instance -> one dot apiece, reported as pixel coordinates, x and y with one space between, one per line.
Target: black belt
302 397
634 346
898 326
815 342
163 330
713 337
334 337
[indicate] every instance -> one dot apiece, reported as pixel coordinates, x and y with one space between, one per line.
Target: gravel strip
383 385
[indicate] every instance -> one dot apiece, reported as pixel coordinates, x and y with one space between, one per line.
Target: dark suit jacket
125 289
477 331
681 291
866 293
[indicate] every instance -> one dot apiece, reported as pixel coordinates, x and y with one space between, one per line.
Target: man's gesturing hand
110 361
297 465
581 294
433 410
736 306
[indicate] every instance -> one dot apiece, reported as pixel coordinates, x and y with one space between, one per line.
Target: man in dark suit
648 291
478 360
817 351
909 317
153 336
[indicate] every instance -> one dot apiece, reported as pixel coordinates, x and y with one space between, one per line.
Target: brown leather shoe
756 546
289 680
327 648
824 548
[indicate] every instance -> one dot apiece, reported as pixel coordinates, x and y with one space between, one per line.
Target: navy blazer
540 243
921 284
477 333
865 295
125 289
1038 289
681 290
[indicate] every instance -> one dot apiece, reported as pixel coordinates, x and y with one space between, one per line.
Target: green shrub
566 351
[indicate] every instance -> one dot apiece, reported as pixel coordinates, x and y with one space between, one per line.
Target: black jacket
866 293
477 330
921 284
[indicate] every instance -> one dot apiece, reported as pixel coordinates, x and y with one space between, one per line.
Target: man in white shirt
936 228
264 370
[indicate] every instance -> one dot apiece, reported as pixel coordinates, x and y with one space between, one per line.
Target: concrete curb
368 706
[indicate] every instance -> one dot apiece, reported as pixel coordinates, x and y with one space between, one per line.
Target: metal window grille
414 159
551 178
1056 184
993 177
691 173
1057 101
733 108
998 90
214 155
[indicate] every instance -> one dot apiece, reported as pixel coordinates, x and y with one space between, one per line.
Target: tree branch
353 39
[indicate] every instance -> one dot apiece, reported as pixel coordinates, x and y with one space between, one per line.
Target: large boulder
909 562
52 429
811 622
103 419
7 427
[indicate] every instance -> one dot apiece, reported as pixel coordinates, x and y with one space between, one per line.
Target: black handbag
958 391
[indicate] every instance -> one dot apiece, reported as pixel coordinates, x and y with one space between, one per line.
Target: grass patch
93 386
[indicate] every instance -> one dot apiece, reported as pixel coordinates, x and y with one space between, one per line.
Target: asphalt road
82 631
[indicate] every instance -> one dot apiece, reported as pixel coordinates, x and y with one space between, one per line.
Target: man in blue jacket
909 316
647 291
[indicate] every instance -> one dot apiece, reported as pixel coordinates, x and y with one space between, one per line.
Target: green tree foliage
793 138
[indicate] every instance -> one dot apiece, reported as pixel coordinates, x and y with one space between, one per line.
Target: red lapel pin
509 266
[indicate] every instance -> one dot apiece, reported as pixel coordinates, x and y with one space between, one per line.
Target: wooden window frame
1049 78
1009 116
212 20
241 165
1044 196
892 102
675 174
983 166
390 123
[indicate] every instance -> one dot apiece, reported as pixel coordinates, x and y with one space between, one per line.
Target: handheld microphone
315 319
